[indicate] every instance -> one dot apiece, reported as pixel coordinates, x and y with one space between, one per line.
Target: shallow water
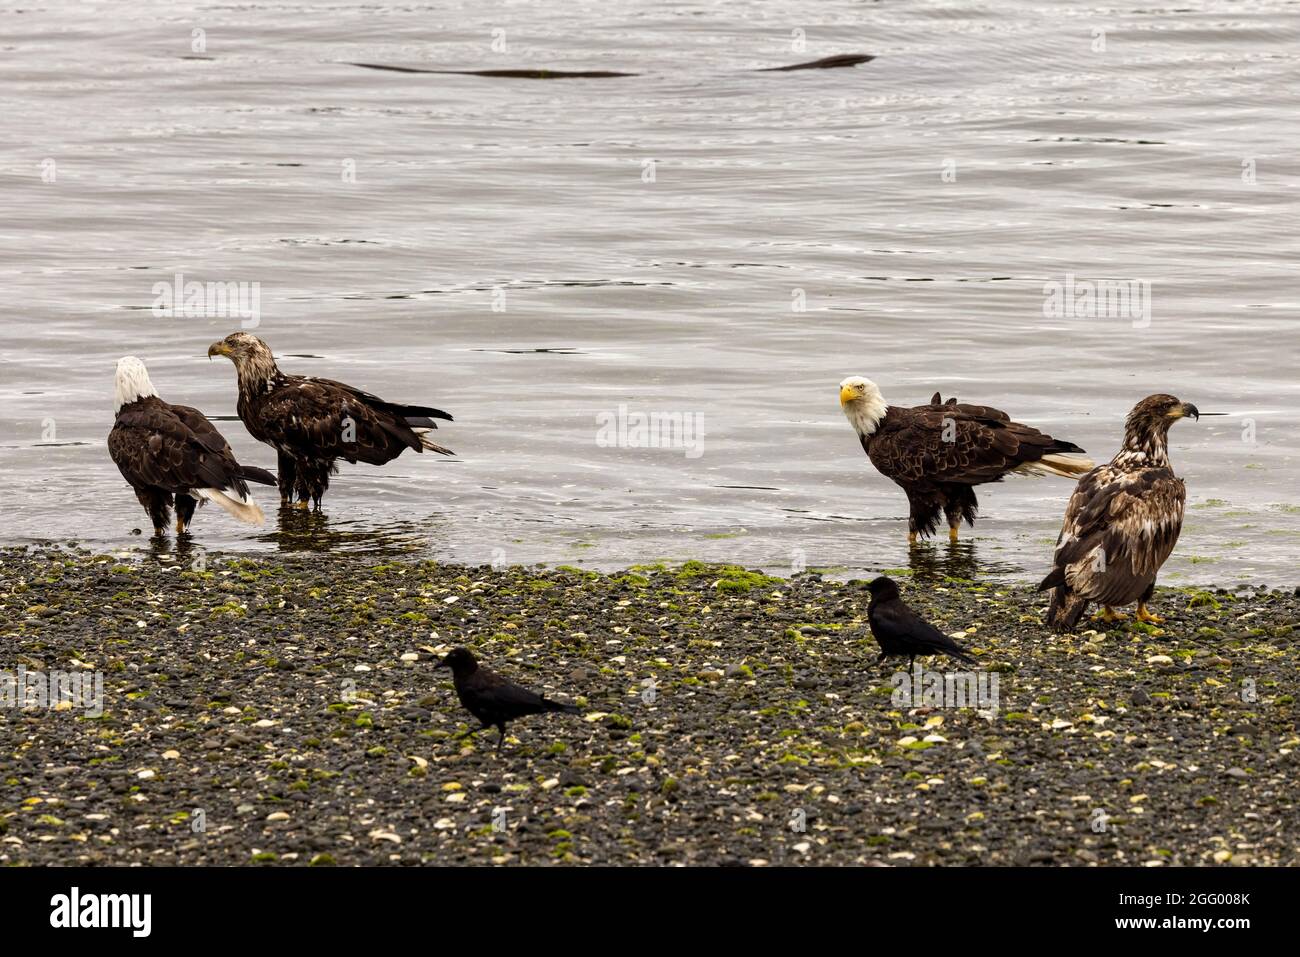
915 206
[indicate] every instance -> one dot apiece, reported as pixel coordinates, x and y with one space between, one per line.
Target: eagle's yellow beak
218 348
847 395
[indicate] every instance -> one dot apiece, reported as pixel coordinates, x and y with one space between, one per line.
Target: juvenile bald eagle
1122 521
312 423
171 454
938 452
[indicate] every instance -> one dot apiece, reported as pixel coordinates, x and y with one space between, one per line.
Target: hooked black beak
218 348
1189 409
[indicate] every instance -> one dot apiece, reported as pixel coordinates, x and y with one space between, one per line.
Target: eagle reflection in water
931 562
303 531
307 532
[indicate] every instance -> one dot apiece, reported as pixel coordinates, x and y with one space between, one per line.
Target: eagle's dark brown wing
1119 528
205 433
320 419
155 446
962 444
977 411
398 409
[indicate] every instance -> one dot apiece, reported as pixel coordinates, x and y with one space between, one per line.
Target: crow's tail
961 656
940 644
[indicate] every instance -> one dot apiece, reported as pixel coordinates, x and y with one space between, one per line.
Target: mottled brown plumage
938 452
1122 521
312 422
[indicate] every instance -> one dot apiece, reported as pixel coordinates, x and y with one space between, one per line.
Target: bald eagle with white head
312 423
1122 521
938 452
173 457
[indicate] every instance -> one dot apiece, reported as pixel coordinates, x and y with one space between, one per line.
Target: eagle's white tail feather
1065 464
241 507
428 443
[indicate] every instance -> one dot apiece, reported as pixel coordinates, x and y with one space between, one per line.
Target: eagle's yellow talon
1148 617
911 538
952 534
302 506
1110 614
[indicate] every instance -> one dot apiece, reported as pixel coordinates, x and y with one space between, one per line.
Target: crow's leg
501 732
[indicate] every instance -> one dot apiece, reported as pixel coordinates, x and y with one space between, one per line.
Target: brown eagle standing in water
1122 521
312 423
938 453
172 455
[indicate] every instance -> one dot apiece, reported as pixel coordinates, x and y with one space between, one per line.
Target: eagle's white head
131 382
863 404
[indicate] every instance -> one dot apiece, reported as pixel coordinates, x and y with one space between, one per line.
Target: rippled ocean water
699 240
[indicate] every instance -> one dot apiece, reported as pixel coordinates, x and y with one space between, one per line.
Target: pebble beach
285 711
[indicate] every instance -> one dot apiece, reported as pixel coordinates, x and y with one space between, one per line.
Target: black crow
901 631
491 698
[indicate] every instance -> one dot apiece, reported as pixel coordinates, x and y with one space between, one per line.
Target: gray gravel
286 711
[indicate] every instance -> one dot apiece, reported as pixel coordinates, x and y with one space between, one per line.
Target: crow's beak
218 348
442 664
847 395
